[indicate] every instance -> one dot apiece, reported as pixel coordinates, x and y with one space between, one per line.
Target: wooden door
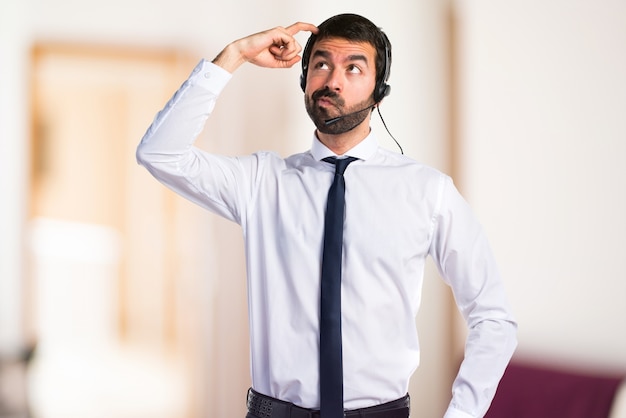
102 229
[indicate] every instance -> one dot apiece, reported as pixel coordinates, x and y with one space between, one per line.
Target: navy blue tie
331 368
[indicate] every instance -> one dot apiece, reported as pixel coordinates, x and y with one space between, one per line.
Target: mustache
328 93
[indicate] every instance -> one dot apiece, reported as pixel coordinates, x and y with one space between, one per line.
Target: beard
349 118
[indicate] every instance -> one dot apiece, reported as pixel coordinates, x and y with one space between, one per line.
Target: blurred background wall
137 302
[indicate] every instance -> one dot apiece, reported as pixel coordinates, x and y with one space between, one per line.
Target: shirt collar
363 150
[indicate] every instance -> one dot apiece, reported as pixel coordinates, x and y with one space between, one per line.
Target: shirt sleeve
466 263
217 183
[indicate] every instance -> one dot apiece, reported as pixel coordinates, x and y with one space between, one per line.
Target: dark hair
358 29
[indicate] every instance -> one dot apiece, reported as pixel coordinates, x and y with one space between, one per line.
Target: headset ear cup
382 90
387 90
305 60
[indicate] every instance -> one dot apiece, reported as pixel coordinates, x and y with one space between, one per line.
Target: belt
262 406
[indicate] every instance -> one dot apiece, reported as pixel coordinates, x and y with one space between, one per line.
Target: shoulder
408 166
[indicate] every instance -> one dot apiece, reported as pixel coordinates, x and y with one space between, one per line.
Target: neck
342 143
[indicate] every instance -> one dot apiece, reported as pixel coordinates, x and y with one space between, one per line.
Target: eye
354 69
321 65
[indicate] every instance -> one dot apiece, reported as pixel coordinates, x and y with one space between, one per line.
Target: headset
381 90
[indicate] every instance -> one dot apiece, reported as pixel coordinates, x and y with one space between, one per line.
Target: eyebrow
326 54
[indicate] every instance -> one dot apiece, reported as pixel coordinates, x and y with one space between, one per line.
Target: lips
325 102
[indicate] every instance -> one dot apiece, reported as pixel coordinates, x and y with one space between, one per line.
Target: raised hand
273 48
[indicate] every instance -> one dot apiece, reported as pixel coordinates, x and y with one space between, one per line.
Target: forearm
177 125
489 347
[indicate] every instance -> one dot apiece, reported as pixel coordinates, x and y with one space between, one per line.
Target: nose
334 81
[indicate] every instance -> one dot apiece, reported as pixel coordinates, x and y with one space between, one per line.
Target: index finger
301 27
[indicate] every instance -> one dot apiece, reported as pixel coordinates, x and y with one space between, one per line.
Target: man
397 212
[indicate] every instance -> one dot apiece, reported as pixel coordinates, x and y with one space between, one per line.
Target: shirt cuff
210 76
455 413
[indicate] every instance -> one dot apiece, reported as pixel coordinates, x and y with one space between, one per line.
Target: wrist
230 58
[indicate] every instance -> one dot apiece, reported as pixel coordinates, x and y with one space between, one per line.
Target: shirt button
207 75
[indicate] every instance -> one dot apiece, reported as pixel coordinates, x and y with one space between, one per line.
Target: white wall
543 101
13 131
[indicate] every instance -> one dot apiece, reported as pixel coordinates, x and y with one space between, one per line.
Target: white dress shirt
398 212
